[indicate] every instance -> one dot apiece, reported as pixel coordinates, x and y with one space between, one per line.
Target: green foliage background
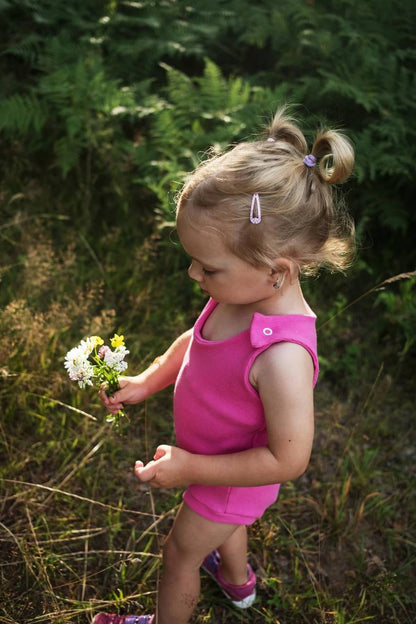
104 107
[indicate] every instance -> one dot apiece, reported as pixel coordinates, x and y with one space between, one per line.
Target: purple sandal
112 618
242 596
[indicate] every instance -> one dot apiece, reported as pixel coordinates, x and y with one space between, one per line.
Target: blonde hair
299 218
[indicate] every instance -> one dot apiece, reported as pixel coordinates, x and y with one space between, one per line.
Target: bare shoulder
283 362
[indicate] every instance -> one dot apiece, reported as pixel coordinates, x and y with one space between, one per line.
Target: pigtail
283 129
335 156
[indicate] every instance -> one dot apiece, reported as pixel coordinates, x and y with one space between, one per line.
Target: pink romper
217 410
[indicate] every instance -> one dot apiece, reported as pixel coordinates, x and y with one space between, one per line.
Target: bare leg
191 539
233 553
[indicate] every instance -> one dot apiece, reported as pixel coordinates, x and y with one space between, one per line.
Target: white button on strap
267 331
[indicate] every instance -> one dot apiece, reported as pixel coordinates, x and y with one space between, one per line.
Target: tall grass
79 534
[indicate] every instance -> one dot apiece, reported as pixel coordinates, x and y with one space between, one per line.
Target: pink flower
103 351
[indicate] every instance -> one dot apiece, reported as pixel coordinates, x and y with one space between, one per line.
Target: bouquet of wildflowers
94 363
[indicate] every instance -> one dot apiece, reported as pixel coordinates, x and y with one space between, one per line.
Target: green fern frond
68 154
212 86
28 48
179 85
22 114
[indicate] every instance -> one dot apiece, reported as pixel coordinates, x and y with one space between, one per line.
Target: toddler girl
251 220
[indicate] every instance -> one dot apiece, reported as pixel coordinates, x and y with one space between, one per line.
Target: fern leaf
68 153
22 114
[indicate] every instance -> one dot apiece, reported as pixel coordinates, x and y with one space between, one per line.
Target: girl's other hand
168 469
132 390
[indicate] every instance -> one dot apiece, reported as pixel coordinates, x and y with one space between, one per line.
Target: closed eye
207 271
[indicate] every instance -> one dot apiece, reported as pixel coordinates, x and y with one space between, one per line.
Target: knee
175 553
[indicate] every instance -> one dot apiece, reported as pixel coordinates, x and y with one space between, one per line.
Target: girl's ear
283 268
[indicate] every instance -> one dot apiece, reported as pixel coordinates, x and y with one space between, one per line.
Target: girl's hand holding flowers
94 363
131 390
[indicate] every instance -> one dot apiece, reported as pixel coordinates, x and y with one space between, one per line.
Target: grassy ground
77 532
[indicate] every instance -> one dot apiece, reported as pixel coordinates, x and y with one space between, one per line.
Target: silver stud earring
276 285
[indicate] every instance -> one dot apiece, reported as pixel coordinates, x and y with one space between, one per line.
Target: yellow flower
117 341
96 341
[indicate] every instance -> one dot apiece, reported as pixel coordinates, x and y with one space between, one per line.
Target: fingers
145 473
112 403
131 390
149 472
161 451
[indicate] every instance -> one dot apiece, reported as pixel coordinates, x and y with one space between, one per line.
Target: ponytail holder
310 160
271 140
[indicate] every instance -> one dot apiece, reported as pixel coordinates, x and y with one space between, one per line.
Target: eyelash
207 272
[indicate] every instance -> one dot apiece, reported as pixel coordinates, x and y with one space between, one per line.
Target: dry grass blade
42 566
57 402
390 280
77 496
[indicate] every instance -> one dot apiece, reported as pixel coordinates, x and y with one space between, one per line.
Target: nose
194 273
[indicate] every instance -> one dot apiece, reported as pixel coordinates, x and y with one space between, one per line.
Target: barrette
255 203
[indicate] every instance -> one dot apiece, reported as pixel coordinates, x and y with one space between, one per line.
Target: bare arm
283 375
160 374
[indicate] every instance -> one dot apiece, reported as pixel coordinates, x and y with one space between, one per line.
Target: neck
288 299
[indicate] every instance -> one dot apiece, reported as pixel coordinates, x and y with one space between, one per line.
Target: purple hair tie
310 160
255 202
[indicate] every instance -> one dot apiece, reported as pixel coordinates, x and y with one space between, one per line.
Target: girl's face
221 274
